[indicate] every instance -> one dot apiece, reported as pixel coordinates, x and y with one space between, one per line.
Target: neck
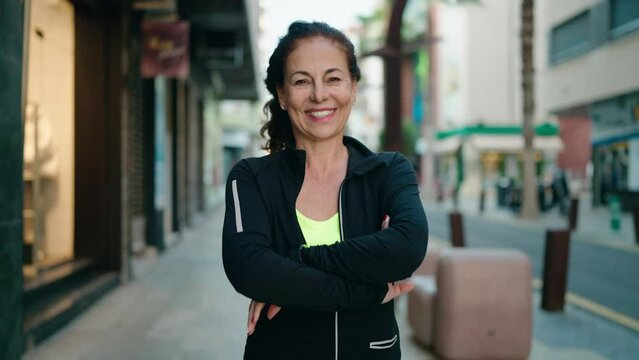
324 156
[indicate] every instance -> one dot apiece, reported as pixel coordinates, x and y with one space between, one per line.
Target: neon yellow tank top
319 232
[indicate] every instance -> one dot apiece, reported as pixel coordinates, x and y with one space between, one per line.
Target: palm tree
530 205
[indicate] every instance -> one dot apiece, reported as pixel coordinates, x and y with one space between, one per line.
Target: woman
304 227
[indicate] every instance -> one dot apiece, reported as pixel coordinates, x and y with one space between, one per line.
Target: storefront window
49 152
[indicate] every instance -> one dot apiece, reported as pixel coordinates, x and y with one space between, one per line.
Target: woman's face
318 90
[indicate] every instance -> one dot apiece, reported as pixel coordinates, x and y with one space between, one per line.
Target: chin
323 135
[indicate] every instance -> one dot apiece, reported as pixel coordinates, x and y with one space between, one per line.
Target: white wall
480 62
603 72
51 86
367 116
453 66
556 12
491 61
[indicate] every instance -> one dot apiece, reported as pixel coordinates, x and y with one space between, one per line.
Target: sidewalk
593 224
575 333
181 306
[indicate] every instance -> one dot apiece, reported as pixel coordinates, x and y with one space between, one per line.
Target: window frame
623 29
556 57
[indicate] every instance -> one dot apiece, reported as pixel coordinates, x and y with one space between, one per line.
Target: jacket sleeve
258 272
387 255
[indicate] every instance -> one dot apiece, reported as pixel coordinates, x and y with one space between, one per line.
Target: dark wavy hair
278 125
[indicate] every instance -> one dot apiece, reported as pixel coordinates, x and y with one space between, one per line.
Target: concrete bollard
456 229
555 269
573 214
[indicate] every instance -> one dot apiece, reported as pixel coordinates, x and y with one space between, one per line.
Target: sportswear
330 295
319 232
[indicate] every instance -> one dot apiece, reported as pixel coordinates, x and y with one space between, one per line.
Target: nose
319 92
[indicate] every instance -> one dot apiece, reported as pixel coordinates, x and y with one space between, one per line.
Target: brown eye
301 82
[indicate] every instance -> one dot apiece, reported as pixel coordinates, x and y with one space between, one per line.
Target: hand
255 308
397 289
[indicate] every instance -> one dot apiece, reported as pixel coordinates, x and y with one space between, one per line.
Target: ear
280 96
354 88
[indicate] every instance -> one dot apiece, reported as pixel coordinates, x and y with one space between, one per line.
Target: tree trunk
530 206
392 78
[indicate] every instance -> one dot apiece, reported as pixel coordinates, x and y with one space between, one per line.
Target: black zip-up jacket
330 295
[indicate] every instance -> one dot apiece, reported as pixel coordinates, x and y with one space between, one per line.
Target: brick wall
575 132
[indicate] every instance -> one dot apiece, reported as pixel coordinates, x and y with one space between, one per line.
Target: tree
530 205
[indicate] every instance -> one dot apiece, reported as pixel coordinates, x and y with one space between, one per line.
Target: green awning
545 129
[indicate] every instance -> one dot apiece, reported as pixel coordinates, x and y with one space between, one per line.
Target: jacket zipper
341 234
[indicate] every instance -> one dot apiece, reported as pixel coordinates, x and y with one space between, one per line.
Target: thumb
405 287
272 311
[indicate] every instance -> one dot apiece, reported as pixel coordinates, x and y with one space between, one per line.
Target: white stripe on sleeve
238 213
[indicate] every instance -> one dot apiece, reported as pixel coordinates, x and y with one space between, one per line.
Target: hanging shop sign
165 49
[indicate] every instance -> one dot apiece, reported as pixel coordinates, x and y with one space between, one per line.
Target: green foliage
410 134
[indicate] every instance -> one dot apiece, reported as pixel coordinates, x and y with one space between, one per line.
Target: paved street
181 306
605 274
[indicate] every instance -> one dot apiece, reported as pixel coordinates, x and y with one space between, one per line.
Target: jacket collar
360 159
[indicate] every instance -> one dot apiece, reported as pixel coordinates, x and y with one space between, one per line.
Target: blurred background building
462 91
126 136
479 124
589 82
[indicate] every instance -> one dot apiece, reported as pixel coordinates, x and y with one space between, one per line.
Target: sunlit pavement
593 223
181 306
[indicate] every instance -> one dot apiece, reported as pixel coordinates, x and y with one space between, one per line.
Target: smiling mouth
321 114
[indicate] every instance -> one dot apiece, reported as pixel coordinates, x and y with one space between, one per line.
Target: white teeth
321 114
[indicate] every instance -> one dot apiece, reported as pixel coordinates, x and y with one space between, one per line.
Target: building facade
478 97
590 82
103 162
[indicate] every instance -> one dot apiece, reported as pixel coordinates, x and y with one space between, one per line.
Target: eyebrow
302 72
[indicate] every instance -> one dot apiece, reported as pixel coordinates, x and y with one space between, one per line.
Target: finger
401 288
272 311
257 307
257 311
397 289
250 317
250 311
389 294
386 222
